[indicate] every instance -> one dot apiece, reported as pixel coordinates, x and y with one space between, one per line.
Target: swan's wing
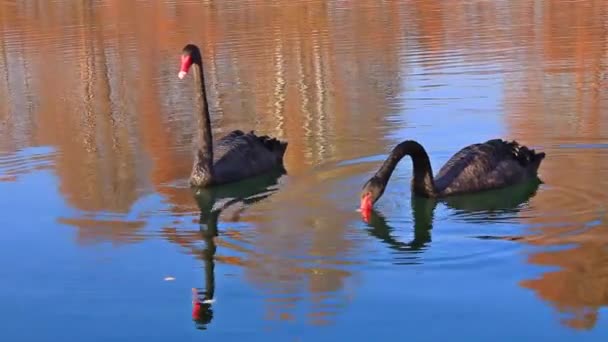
493 164
241 155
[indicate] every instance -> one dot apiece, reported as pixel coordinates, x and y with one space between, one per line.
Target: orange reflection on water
98 84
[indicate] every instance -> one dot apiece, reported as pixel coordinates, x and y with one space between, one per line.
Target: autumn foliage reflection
99 85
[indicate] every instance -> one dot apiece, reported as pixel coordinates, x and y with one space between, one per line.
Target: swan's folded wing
477 167
239 156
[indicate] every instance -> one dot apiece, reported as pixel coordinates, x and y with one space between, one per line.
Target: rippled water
103 240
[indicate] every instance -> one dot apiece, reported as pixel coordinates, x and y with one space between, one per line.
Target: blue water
103 240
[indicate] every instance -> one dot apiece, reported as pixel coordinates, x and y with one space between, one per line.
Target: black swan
490 165
237 155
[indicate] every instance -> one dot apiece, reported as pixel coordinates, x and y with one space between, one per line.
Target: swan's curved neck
422 184
204 138
209 235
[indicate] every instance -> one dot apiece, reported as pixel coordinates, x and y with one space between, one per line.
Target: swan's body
237 155
490 165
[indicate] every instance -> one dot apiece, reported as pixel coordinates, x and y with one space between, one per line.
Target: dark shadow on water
422 211
489 206
246 192
236 192
483 207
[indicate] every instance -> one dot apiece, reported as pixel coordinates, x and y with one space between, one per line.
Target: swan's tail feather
528 158
536 159
276 146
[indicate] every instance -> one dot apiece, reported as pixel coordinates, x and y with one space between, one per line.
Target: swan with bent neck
478 167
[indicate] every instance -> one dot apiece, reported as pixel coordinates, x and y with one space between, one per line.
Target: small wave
24 161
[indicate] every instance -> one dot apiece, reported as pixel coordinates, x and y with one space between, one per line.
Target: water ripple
24 161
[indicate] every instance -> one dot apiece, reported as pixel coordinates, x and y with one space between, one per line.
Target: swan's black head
371 192
190 55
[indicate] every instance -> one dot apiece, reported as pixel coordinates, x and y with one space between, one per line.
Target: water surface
96 146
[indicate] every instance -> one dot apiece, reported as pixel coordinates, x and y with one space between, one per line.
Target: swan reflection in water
479 207
246 192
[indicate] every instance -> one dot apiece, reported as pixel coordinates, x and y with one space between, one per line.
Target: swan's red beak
196 305
366 206
196 311
185 66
